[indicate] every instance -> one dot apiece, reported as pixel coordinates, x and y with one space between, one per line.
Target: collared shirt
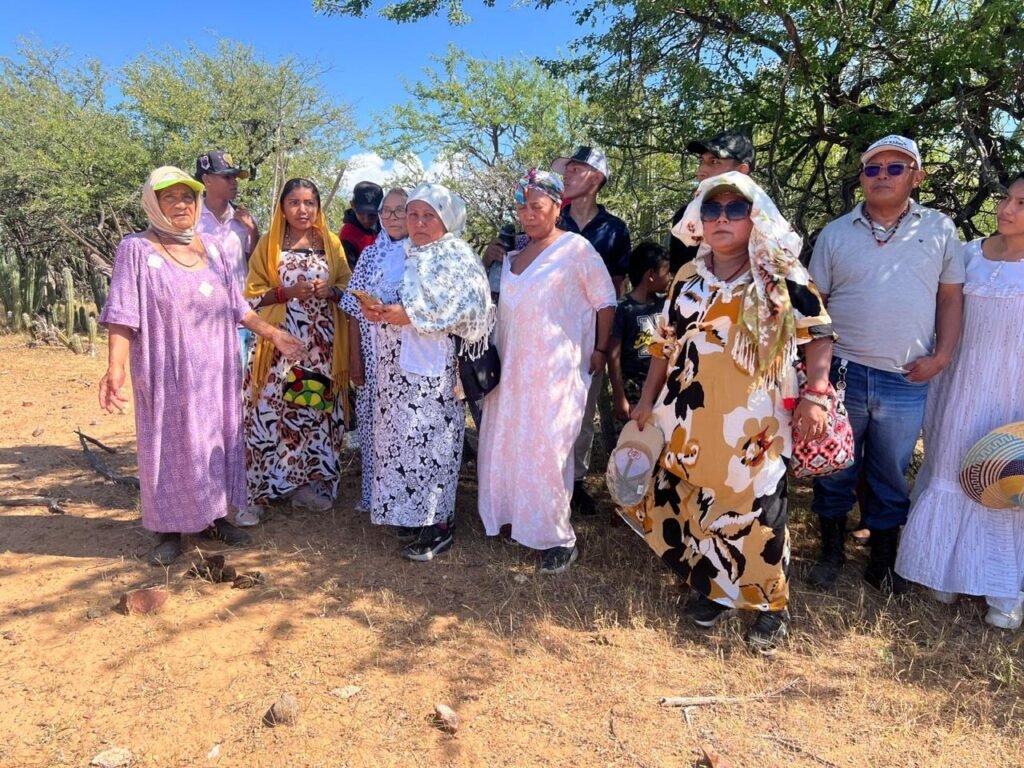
882 298
607 233
234 236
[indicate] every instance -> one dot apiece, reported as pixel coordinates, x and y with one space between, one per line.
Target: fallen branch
94 441
792 745
103 470
52 504
703 701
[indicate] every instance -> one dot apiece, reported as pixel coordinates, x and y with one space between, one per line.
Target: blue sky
369 58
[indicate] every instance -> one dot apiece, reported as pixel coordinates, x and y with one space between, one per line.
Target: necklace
175 258
290 240
710 261
876 228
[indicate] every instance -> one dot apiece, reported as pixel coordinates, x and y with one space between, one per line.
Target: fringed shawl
766 345
445 290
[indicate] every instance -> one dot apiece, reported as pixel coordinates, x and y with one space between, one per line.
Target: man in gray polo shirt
891 272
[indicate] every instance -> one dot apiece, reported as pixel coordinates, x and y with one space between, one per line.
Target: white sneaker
1011 619
946 598
307 498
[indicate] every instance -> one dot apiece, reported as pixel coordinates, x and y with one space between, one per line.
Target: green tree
273 117
485 122
814 84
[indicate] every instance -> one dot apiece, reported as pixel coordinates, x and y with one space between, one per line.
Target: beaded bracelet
816 398
279 294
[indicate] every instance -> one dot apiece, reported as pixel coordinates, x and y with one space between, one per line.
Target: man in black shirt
727 151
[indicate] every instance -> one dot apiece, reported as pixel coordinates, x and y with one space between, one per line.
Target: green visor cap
168 177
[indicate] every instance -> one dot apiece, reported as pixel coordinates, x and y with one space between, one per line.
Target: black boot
880 572
825 571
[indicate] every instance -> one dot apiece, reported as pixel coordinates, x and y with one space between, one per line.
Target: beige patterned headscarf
162 178
767 345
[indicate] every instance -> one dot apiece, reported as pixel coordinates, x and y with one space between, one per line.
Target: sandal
166 550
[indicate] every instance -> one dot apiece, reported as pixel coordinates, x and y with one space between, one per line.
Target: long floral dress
717 513
379 268
290 445
950 542
545 337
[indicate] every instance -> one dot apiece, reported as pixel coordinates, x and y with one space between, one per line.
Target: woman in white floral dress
418 423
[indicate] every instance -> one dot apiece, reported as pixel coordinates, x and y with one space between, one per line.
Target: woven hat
992 473
631 465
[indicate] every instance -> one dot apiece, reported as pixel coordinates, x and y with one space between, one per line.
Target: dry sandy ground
543 671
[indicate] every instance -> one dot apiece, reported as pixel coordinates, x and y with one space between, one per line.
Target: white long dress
545 337
950 542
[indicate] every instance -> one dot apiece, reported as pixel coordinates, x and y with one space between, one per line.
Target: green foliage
486 122
273 118
814 83
72 164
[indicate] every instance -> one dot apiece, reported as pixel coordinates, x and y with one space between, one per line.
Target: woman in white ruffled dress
951 544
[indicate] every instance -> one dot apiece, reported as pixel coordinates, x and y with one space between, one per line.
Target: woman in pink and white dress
950 543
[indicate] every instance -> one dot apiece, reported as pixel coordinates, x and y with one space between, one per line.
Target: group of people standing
705 345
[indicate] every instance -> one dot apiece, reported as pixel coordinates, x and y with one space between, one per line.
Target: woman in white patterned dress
418 423
951 543
379 268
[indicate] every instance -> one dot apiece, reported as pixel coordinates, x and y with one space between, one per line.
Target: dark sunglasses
735 210
891 169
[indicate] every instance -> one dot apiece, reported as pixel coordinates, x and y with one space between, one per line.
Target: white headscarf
449 206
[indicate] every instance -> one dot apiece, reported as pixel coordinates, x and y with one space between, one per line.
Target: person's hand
621 408
495 251
925 368
111 391
393 314
810 420
322 289
302 290
242 215
356 371
597 361
290 347
641 413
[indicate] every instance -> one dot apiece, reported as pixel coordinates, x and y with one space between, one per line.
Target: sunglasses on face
735 210
387 213
891 169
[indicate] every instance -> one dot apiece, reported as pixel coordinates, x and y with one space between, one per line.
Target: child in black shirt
636 317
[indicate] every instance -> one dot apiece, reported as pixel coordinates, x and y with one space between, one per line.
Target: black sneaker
768 630
406 534
582 503
706 613
166 550
558 559
433 540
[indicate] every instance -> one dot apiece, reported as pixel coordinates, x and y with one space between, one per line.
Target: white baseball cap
896 144
591 156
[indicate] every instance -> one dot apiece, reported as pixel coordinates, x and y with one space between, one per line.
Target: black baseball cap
731 144
367 197
219 163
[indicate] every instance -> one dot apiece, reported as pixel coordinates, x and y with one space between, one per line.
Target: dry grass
542 670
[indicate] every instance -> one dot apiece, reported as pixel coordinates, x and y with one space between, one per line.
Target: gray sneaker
558 559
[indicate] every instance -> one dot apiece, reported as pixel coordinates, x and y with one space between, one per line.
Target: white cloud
369 166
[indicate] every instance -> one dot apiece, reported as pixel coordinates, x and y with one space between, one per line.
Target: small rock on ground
147 600
113 758
284 711
445 718
347 692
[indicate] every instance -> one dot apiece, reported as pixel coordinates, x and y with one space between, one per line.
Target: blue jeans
886 412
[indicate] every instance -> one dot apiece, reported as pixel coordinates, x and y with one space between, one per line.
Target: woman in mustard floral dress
722 387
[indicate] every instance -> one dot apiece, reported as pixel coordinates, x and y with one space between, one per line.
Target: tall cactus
92 336
17 304
69 303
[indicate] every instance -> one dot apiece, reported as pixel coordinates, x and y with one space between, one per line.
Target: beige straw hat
992 472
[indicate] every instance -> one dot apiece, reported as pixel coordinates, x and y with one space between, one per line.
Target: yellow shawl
264 276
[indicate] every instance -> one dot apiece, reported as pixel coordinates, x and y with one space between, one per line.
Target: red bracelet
824 393
280 295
